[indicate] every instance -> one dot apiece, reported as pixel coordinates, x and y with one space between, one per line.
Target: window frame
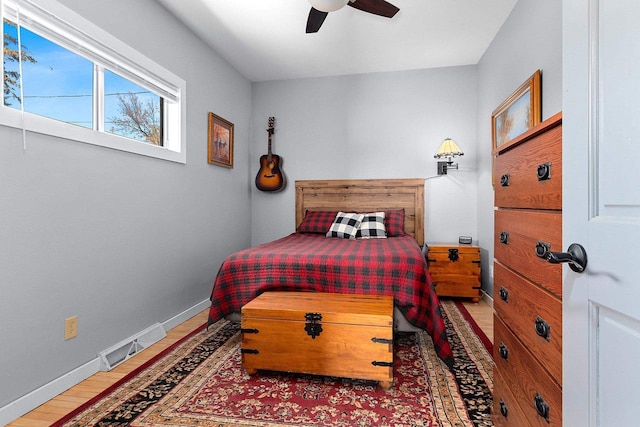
64 27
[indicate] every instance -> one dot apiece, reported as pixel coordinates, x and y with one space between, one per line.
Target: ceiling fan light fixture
328 5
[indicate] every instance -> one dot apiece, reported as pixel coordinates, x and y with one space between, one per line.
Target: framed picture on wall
220 146
518 113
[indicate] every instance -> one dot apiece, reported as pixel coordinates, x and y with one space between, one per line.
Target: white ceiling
266 39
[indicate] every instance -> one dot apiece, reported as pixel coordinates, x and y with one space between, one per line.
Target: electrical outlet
70 327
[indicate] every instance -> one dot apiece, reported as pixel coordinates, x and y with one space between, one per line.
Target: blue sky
60 84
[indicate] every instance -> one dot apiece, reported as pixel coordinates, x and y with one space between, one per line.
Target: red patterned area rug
200 382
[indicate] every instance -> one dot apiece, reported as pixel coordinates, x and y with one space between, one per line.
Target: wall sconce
447 151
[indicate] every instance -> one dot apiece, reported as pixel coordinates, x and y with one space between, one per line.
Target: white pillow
372 226
345 225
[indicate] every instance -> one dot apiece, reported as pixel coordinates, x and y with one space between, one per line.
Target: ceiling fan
321 8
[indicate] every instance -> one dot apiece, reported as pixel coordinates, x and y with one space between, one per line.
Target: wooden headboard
365 195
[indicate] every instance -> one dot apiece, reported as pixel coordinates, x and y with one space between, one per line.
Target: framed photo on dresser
518 113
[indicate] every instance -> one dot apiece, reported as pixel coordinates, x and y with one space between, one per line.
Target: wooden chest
527 289
455 270
320 333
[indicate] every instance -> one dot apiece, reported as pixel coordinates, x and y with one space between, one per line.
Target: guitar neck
272 121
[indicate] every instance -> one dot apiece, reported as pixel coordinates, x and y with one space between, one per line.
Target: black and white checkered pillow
345 225
372 226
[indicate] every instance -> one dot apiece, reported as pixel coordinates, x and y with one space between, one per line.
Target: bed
308 260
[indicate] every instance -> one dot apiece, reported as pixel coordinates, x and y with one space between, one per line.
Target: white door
601 206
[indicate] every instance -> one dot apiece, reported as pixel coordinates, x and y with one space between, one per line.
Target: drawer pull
544 171
503 408
542 249
504 237
504 180
542 407
503 351
543 329
504 294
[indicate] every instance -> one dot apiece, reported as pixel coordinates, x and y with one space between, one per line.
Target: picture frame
220 141
518 113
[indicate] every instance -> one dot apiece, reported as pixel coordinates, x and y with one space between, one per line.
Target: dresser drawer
533 314
531 385
516 173
506 412
517 235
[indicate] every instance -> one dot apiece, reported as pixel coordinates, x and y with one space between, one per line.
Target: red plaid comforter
312 262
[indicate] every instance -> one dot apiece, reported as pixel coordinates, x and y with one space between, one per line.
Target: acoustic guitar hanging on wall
269 177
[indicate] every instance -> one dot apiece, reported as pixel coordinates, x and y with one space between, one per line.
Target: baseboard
485 296
186 315
37 397
48 391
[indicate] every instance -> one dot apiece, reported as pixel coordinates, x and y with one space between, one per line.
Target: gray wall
389 125
530 39
120 240
381 125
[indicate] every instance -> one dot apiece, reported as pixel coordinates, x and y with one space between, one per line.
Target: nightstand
455 269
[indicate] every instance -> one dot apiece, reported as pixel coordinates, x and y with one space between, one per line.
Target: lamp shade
448 149
328 5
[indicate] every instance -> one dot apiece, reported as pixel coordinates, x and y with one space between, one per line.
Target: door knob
576 256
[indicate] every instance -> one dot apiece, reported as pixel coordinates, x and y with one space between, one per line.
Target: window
77 82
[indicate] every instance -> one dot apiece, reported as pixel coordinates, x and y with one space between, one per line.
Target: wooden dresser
527 174
455 269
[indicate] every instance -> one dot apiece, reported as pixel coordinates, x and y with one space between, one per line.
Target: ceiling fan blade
377 7
315 20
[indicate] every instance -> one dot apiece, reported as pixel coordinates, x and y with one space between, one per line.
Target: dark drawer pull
504 237
503 351
543 329
542 407
544 171
504 294
504 180
503 408
542 249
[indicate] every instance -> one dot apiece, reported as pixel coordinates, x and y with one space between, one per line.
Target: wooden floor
64 403
482 313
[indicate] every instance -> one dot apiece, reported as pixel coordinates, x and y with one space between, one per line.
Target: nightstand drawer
453 285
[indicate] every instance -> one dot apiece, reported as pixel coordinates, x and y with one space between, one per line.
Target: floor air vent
113 356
